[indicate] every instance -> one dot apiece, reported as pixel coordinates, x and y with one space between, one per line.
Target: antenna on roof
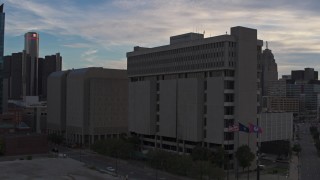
267 44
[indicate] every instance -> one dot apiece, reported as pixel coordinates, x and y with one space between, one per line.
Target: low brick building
25 144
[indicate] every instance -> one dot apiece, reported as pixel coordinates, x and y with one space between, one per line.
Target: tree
316 135
201 154
244 156
55 138
218 157
296 148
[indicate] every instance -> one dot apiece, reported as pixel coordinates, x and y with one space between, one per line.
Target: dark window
228 84
228 122
228 97
228 110
228 136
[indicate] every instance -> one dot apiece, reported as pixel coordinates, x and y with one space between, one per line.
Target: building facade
280 104
276 126
269 70
188 92
2 91
47 65
56 101
96 104
17 68
304 75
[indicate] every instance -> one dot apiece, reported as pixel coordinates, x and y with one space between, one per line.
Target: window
228 110
228 84
228 136
228 122
228 97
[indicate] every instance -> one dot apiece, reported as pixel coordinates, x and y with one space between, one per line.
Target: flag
233 128
255 129
243 128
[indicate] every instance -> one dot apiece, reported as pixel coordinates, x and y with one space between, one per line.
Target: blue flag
243 128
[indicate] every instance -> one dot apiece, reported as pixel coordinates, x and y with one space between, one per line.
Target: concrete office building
269 70
96 104
276 126
31 46
188 92
280 104
277 88
56 101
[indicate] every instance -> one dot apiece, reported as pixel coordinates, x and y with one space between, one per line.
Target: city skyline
99 33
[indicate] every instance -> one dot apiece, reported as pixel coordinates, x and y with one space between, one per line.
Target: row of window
179 59
202 47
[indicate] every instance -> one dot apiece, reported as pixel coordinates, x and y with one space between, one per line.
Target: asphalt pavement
132 170
309 161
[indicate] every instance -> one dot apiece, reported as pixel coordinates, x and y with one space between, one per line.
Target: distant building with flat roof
95 107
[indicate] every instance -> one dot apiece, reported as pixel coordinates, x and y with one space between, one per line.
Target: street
309 160
134 170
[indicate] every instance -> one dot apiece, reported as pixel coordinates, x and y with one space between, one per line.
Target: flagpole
258 153
248 146
237 174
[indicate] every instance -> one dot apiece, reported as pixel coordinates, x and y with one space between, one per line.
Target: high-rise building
13 72
2 94
188 92
17 71
304 75
47 65
269 70
31 46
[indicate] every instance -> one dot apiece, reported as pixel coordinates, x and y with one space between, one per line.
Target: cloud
77 45
89 52
291 26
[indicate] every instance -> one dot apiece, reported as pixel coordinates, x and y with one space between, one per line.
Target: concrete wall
108 106
86 108
190 109
168 108
142 109
276 126
75 103
215 112
56 101
246 79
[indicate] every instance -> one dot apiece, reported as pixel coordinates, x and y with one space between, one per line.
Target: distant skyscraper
2 21
31 46
269 70
47 65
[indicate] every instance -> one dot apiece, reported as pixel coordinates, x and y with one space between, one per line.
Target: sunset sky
100 32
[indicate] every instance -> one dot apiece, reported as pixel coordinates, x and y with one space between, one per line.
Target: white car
111 169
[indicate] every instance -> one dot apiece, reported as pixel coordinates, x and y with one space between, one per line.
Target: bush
296 148
118 148
29 158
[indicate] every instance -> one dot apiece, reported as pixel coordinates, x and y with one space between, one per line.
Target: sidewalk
293 174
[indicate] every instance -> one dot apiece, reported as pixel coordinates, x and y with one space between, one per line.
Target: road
123 168
309 160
